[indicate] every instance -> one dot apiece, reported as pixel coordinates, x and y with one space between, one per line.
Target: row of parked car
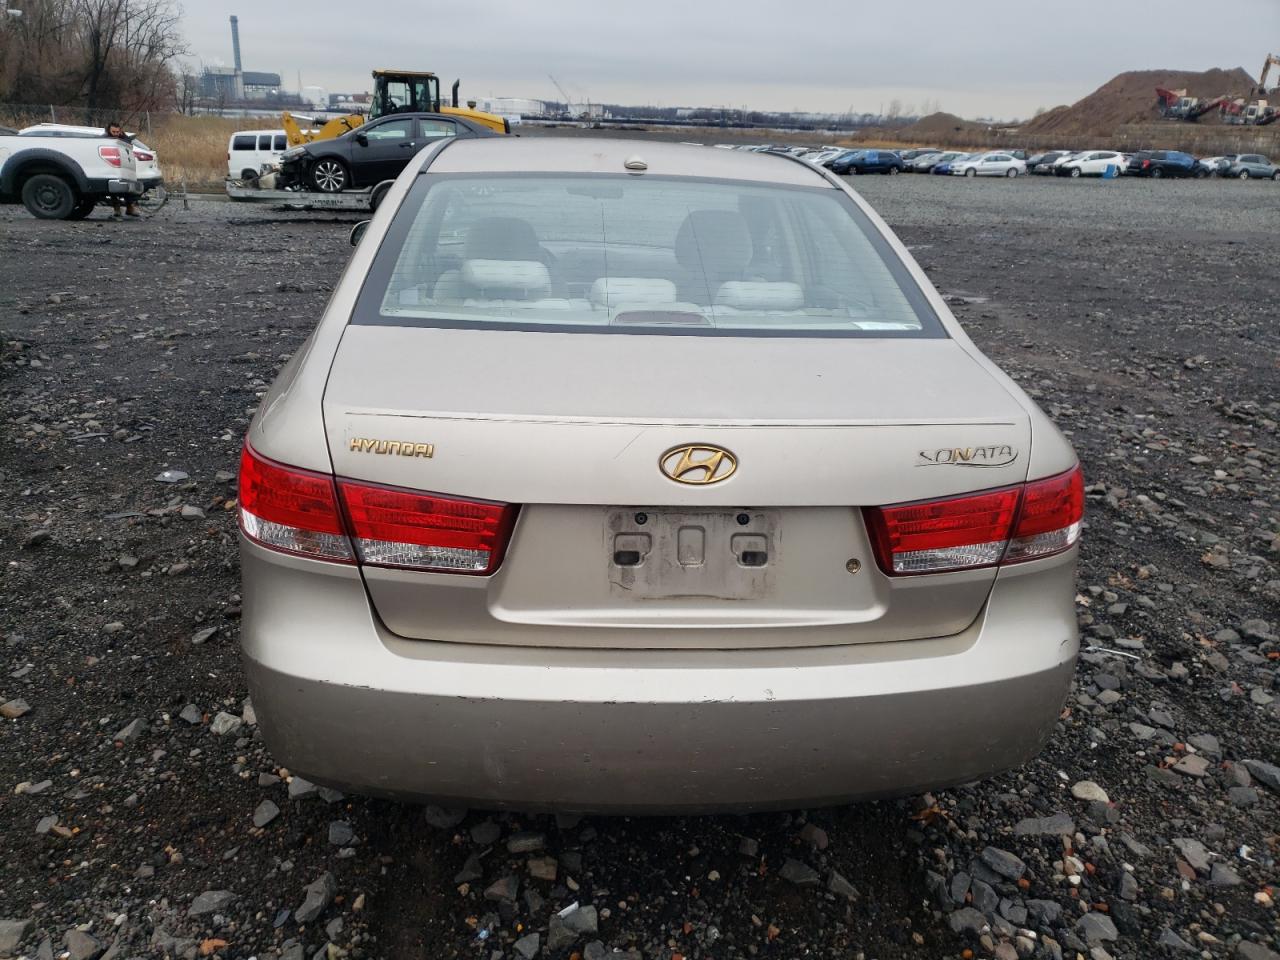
1012 163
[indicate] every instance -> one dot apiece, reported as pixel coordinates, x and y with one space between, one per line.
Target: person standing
114 129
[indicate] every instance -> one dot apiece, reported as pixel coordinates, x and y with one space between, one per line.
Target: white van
249 150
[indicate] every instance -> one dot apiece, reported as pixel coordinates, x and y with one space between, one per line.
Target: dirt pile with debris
1131 98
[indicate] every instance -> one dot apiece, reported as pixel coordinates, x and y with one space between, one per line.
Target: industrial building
235 83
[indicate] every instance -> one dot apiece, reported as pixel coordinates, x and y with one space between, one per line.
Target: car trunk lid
575 428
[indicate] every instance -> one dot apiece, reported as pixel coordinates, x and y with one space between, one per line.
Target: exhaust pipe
456 85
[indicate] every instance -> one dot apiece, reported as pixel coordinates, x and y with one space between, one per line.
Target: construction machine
1176 105
394 91
1261 89
1254 109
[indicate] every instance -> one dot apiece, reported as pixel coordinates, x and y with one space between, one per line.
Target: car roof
580 155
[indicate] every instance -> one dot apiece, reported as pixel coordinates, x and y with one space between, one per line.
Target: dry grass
194 149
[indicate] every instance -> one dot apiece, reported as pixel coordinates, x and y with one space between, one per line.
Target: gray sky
827 55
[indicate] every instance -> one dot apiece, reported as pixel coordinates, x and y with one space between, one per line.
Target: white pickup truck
64 176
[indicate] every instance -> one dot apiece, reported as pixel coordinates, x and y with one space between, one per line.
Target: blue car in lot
868 161
944 168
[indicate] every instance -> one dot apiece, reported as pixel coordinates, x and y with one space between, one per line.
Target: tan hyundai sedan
642 477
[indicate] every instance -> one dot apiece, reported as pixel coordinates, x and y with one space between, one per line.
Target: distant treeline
91 53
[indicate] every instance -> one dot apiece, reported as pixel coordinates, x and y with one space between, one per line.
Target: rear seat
766 296
505 279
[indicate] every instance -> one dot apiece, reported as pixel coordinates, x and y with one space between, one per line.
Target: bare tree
94 53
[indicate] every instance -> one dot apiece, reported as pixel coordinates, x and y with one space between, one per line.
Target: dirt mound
1131 98
941 125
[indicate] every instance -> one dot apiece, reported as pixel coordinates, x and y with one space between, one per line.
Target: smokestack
235 40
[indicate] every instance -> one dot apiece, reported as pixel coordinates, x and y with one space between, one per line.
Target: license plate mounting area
660 553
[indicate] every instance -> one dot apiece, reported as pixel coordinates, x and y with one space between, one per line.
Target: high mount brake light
313 515
1003 526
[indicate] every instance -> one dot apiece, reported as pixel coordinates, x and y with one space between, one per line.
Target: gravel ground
141 815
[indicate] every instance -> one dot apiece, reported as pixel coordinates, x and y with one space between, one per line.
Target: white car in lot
146 163
63 176
994 164
1092 163
819 157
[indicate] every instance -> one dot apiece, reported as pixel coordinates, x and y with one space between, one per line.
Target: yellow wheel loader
394 91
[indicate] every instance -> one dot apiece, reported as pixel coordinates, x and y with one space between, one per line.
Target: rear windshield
623 254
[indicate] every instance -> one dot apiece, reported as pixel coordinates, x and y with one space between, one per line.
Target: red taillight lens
110 154
979 530
143 155
404 528
1049 521
970 531
290 509
311 514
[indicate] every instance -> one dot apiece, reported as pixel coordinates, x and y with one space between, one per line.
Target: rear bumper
115 187
345 703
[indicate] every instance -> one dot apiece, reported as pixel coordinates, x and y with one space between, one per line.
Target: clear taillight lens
292 510
1008 525
404 528
110 154
313 515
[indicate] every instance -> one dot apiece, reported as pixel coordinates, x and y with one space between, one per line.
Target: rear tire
49 197
892 171
376 198
83 209
1011 172
329 175
1276 175
247 174
1156 173
1243 174
1075 173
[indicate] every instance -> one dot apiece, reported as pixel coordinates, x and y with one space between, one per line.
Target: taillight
292 510
143 155
312 514
1049 520
110 154
403 528
1008 525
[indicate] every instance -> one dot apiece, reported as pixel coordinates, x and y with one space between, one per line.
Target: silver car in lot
648 477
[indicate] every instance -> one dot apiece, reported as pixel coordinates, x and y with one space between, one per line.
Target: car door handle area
406 146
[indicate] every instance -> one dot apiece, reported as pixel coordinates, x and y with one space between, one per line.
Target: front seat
712 247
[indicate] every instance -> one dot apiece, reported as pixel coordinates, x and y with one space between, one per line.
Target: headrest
502 238
760 295
528 277
714 242
611 291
